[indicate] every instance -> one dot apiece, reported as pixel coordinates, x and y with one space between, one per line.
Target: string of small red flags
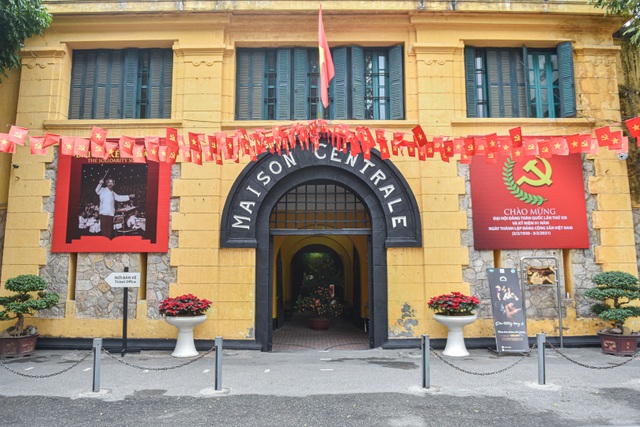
222 146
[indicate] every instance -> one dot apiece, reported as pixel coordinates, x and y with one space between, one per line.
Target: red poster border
123 244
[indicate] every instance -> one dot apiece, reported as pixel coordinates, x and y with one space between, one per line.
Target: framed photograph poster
113 205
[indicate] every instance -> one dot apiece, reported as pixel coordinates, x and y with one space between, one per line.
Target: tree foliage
628 9
19 20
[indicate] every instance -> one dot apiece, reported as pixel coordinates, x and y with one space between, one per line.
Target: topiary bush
615 290
24 301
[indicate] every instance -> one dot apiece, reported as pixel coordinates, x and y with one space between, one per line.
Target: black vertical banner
508 312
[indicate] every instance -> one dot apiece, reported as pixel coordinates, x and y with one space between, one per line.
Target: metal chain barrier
480 373
167 368
584 365
22 374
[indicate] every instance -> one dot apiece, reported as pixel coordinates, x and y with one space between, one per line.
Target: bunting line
200 148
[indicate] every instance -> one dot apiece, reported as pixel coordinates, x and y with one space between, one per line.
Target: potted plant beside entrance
323 304
455 311
30 296
184 312
615 290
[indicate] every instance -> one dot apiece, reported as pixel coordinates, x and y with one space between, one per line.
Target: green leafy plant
454 304
320 302
627 9
24 302
19 20
615 290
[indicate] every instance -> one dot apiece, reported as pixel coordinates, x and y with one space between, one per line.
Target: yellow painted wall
204 44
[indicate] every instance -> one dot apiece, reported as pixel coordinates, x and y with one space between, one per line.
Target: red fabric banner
327 71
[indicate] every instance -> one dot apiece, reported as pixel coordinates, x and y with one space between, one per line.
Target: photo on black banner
507 302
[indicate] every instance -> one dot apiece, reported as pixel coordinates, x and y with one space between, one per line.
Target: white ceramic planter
455 339
185 347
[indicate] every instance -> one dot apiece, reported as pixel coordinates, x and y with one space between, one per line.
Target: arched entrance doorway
376 184
319 231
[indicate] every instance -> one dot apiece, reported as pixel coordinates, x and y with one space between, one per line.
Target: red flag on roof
324 61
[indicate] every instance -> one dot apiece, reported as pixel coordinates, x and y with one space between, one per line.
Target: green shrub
615 290
30 296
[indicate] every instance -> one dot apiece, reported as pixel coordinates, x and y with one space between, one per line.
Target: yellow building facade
252 278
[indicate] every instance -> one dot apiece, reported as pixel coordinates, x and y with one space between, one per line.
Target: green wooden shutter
101 85
396 80
519 87
156 83
249 84
499 82
114 97
528 74
470 81
340 103
256 96
130 83
166 84
243 68
567 82
301 84
79 72
357 83
89 87
283 85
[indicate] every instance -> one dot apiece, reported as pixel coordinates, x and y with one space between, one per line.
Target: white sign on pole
123 280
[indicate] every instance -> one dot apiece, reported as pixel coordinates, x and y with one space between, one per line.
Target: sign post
508 311
124 280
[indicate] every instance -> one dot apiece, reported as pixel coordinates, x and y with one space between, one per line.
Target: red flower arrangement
184 305
454 304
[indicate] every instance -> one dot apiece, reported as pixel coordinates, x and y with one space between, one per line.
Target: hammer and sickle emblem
544 178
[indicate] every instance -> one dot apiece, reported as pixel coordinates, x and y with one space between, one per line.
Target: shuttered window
284 84
121 84
505 82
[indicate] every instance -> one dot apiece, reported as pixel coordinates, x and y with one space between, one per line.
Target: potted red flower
454 304
184 305
455 311
185 312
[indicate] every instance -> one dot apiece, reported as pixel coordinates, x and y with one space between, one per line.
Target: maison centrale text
372 170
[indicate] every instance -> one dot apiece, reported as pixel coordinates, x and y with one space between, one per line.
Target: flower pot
320 323
185 347
618 344
18 346
455 339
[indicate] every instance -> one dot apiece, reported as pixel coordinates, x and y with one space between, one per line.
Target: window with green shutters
284 84
520 82
121 84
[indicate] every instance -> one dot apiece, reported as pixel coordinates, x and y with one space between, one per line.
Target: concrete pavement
577 390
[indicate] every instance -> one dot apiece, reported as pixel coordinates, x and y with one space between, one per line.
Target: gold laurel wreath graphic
518 193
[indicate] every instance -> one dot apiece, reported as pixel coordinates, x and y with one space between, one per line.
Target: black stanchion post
125 309
541 367
97 351
426 376
218 363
